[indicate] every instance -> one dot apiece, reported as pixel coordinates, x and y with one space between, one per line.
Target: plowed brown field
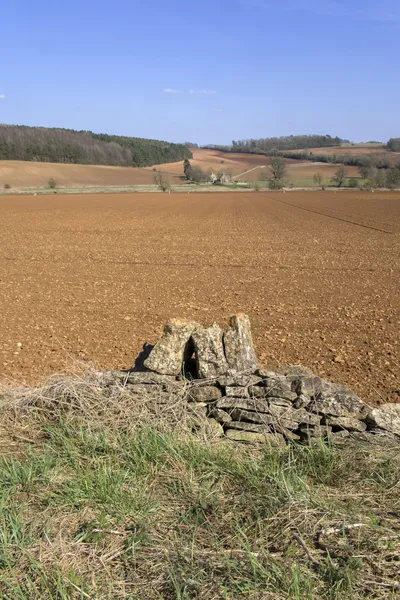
93 277
252 167
20 174
23 174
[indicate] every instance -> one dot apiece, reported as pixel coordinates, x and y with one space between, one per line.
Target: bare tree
161 181
318 179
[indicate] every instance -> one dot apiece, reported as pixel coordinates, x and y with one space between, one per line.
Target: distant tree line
289 142
41 144
280 147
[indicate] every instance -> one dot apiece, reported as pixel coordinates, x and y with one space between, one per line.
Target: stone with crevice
348 423
209 351
245 426
173 349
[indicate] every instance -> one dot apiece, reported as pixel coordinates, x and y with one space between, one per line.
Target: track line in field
316 212
204 265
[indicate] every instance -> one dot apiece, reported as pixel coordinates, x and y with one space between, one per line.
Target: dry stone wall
217 375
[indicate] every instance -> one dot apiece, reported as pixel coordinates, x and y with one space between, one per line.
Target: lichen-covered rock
245 426
272 401
338 401
243 403
265 373
349 423
238 344
145 389
297 415
209 352
236 392
280 387
315 431
257 392
386 417
203 393
172 349
220 415
238 379
274 439
240 414
308 385
302 401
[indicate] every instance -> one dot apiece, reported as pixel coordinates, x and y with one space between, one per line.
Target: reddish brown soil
20 174
238 163
93 277
393 157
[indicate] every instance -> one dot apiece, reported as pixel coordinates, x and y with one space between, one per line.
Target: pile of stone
218 375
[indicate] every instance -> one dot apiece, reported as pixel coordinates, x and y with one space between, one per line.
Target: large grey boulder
209 352
238 344
173 348
385 417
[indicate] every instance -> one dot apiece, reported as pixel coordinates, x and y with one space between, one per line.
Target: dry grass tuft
106 495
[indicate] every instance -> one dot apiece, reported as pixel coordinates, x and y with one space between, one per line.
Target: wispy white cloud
171 91
369 10
2 96
205 92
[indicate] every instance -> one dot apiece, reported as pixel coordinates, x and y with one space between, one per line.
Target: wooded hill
289 146
288 142
42 144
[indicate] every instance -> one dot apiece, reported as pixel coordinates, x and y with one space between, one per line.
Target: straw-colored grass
107 496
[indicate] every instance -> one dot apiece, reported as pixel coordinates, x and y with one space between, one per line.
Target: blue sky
207 72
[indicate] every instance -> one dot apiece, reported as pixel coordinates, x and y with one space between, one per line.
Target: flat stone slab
203 393
243 403
238 379
349 423
236 392
274 439
244 426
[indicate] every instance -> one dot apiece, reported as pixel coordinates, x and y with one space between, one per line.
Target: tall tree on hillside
277 172
339 177
187 168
